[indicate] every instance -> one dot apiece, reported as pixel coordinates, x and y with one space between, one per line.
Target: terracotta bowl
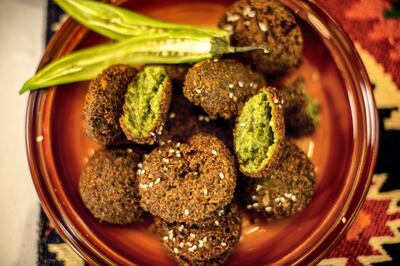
343 148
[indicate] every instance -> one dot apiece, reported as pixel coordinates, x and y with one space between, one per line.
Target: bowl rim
60 44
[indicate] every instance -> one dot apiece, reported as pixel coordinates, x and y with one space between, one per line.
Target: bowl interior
281 242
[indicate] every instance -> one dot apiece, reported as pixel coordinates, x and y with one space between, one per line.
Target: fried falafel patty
259 133
187 182
108 186
221 87
269 24
103 104
286 189
208 243
146 105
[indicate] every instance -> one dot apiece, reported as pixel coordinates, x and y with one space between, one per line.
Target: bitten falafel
146 105
259 133
221 87
208 243
187 182
269 24
103 104
286 189
109 187
300 110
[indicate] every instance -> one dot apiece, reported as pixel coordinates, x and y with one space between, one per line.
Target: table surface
22 29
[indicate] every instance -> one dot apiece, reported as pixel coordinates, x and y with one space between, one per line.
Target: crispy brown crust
185 120
103 104
265 23
283 191
186 242
108 186
221 87
158 127
175 177
275 101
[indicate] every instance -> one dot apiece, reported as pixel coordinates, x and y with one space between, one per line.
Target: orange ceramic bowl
343 148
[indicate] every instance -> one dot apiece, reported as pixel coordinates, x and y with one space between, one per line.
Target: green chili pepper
164 48
118 23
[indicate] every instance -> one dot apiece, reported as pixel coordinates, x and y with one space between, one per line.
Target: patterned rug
374 239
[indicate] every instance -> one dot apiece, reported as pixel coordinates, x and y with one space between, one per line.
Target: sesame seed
241 84
266 51
165 160
201 243
181 245
228 28
231 95
129 150
172 115
254 197
205 239
176 250
242 124
251 83
186 212
232 17
150 184
39 138
276 100
201 117
283 199
190 250
249 206
215 60
198 91
247 23
344 220
165 238
221 175
171 234
230 86
214 152
165 168
157 181
189 244
255 204
171 150
181 227
178 145
258 187
153 134
192 236
140 165
263 27
207 119
221 212
223 244
277 199
205 192
294 198
169 141
216 223
268 209
162 142
194 247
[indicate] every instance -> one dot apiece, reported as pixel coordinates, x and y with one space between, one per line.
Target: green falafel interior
146 104
258 132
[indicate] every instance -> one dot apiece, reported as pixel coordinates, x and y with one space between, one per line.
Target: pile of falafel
194 144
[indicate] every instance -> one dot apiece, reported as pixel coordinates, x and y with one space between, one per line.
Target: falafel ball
208 243
187 182
300 110
109 188
269 24
221 87
185 120
103 104
146 105
259 133
286 189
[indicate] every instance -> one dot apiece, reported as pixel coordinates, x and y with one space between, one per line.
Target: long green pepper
119 24
164 48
